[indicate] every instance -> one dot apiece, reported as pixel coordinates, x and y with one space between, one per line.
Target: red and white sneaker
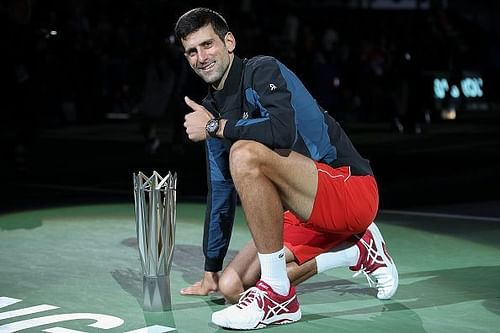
258 307
376 264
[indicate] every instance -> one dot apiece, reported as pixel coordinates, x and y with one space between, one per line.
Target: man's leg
243 272
365 253
266 182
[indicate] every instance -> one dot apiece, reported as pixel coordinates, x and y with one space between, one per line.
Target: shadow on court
429 289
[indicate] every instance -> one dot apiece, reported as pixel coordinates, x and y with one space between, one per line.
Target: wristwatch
212 127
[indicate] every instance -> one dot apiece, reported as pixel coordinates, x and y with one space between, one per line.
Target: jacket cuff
229 131
213 264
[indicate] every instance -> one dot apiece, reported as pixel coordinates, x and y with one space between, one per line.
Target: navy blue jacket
264 101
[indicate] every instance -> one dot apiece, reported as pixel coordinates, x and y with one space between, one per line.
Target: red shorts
345 205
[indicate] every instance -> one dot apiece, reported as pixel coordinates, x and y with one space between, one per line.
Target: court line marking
441 215
25 311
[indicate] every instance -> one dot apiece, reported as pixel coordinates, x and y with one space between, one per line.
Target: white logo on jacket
272 86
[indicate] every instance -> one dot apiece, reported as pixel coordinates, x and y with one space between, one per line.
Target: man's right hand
195 121
207 285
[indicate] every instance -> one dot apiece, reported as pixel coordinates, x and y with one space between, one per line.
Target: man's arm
208 284
221 205
273 100
219 217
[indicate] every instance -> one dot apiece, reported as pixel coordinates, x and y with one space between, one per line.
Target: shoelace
371 281
254 296
372 258
250 296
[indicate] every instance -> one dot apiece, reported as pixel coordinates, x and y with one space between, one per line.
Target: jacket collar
232 81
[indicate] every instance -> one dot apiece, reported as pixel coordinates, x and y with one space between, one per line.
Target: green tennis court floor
77 269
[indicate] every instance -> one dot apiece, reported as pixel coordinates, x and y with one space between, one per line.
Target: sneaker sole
277 320
388 261
282 319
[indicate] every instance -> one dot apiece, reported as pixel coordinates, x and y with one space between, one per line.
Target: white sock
342 258
273 271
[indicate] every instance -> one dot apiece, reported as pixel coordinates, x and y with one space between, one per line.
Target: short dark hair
198 18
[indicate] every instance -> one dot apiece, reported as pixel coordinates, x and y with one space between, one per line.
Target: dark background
92 92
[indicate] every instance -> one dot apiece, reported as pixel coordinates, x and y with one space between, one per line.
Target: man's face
208 55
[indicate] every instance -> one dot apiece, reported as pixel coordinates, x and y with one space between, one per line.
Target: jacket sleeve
273 121
221 203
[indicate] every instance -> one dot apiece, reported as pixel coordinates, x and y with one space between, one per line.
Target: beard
214 76
219 70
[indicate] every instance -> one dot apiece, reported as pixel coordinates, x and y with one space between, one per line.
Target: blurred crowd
78 62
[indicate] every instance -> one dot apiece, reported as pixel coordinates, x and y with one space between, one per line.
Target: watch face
212 127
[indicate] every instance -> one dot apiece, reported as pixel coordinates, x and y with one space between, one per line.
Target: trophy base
156 290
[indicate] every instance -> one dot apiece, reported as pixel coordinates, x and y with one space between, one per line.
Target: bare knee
245 158
231 286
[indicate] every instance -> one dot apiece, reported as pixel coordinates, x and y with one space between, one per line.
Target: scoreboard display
468 87
453 95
